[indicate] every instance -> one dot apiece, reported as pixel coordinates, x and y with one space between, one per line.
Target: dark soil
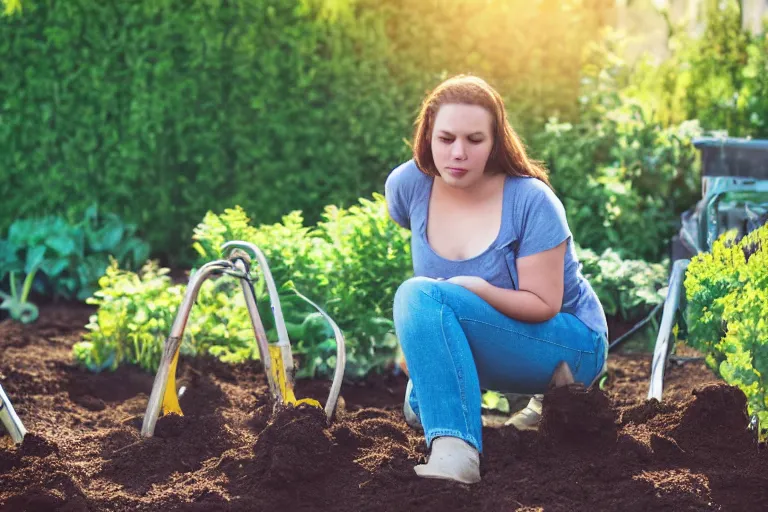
595 450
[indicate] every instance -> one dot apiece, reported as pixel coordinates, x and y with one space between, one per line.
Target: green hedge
162 110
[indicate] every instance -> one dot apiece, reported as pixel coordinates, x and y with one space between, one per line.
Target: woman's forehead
463 119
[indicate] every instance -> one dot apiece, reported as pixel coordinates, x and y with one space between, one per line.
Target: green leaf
106 238
493 400
9 260
63 245
35 257
53 267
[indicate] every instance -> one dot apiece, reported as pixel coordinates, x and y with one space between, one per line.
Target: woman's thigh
519 357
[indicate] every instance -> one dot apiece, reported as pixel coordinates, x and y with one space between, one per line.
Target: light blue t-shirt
533 220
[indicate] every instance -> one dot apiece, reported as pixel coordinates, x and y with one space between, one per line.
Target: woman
498 300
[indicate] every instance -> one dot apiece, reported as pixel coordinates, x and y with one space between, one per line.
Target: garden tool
10 420
276 358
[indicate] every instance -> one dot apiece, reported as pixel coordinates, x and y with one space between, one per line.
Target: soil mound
576 415
715 412
294 447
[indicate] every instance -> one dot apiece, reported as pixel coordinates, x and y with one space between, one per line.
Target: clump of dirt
35 446
294 446
715 411
171 425
230 451
641 413
578 415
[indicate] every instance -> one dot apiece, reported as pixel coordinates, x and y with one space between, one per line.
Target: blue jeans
456 344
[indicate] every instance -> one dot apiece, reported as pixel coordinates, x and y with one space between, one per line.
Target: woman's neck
484 189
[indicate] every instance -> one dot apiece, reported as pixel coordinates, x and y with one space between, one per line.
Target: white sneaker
451 458
411 418
527 418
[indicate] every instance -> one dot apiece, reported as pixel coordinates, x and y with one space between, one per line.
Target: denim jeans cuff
438 432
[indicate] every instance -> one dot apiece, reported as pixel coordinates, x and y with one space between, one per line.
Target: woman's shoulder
529 191
404 181
406 174
403 189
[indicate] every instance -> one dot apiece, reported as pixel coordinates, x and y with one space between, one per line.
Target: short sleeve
545 225
398 191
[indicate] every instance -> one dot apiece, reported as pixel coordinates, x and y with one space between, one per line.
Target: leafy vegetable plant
70 257
727 293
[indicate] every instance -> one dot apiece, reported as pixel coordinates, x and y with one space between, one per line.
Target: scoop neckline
493 245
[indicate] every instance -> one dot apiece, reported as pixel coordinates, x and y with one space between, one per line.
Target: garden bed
595 451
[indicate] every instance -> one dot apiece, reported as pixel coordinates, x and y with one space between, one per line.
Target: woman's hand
471 283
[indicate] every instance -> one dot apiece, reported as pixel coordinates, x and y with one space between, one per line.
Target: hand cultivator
10 420
276 358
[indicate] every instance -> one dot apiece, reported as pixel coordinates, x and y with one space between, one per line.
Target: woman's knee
415 294
413 289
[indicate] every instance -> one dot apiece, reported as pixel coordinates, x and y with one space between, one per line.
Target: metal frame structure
276 358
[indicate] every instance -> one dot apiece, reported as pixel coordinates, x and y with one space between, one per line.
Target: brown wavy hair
508 153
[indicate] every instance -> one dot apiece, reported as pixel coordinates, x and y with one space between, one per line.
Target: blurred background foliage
161 111
122 125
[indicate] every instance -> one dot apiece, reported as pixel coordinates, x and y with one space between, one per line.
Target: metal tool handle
10 420
341 360
274 299
282 332
258 330
662 348
173 342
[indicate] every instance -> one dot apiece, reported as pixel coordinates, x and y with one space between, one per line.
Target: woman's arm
540 291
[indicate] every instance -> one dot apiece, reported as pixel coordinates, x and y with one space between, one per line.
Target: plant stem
13 285
28 284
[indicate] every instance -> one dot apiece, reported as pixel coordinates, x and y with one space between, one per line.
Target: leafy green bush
71 257
628 289
624 180
286 245
727 293
136 311
351 264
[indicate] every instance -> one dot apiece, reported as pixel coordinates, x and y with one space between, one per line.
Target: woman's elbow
552 310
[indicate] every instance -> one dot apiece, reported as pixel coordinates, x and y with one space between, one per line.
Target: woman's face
461 143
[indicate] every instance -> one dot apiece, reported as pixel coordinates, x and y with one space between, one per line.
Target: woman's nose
457 151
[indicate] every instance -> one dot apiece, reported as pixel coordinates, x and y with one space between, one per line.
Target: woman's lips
456 172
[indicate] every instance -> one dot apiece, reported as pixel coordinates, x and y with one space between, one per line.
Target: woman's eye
445 139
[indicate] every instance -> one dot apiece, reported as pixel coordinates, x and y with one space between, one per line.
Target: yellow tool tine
278 375
309 401
170 398
280 378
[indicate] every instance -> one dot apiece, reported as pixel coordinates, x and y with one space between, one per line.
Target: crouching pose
498 300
